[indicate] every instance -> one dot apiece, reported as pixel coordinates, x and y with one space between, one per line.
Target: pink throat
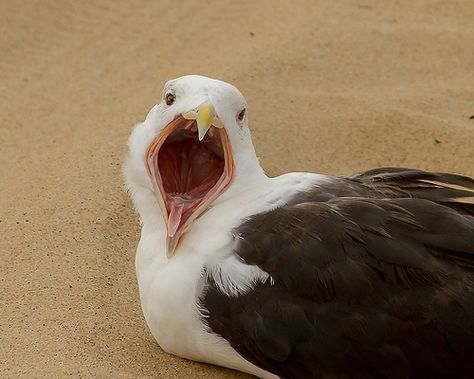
188 174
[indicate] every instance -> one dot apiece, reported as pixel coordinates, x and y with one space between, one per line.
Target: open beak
190 164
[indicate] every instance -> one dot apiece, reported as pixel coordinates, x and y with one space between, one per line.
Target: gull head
192 147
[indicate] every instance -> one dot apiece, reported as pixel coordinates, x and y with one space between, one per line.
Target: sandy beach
333 87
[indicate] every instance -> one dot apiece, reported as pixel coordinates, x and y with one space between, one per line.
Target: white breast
170 288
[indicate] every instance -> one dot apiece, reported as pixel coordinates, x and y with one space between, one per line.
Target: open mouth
188 174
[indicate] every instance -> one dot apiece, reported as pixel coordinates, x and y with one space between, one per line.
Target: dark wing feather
373 278
442 188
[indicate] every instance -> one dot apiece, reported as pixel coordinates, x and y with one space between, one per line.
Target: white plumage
170 288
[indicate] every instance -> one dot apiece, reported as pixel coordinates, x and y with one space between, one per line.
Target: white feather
170 288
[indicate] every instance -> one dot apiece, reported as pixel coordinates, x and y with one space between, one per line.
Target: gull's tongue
175 213
179 205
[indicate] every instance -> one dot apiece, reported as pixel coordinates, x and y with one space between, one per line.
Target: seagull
302 275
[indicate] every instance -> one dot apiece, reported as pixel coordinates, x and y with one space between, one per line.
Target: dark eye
241 115
169 98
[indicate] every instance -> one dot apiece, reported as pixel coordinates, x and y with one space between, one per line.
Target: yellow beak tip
204 117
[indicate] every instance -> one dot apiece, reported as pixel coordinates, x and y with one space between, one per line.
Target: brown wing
375 286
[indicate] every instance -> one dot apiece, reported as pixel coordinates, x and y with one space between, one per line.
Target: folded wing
372 276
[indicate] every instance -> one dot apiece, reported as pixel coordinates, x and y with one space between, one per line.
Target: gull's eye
169 98
241 115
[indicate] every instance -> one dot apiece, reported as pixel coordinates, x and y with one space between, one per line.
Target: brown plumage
373 277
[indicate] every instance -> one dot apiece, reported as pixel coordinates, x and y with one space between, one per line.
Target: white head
192 148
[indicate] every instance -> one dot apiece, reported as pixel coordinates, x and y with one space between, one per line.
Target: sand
333 87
